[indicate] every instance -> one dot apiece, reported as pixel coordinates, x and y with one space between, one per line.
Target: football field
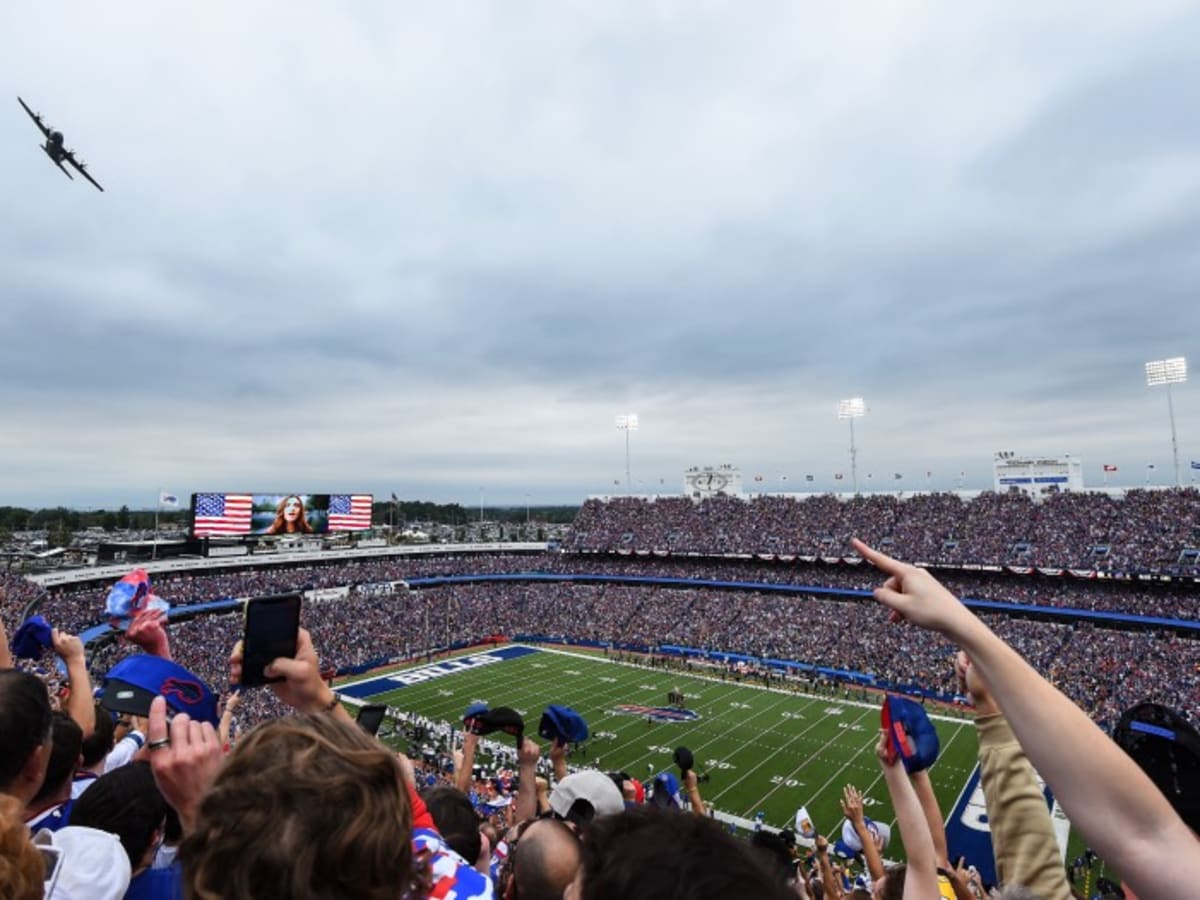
763 751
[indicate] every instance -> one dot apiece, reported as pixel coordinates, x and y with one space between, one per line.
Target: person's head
891 885
309 805
125 802
543 859
651 852
21 868
774 854
25 719
456 820
100 742
66 746
290 517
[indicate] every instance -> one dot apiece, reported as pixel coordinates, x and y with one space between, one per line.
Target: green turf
765 750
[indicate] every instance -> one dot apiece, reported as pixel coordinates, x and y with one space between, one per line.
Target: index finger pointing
881 561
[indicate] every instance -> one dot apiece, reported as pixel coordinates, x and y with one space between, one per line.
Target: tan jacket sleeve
1022 834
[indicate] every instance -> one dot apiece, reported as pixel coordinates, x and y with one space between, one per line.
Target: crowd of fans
1141 532
205 811
309 806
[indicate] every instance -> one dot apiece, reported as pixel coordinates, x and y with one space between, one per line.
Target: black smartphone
272 630
370 717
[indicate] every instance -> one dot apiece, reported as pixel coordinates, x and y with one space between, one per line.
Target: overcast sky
435 248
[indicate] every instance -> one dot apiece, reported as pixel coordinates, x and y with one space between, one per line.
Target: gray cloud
444 246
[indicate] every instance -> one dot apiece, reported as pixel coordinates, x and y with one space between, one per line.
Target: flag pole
154 546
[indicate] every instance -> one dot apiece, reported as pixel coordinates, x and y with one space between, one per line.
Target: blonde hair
21 868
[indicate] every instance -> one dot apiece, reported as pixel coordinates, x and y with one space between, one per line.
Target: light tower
627 423
1168 372
852 409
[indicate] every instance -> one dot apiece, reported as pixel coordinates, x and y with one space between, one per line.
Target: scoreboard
1036 474
700 483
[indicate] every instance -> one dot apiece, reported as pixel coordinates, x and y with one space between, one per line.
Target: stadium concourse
1097 594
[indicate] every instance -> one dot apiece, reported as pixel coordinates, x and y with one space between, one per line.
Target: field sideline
767 751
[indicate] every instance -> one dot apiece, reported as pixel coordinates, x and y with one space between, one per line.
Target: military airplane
56 151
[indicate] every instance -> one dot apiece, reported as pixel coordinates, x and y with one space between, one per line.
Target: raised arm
933 815
831 884
852 808
558 757
692 786
527 789
920 882
1117 808
1023 839
466 762
81 706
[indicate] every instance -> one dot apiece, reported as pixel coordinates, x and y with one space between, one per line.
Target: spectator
1129 823
648 853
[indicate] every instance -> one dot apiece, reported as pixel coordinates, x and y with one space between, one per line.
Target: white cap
94 864
591 785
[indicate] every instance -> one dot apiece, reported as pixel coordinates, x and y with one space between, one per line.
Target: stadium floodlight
852 409
627 423
1160 372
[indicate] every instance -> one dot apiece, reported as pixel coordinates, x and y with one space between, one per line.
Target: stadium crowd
307 805
1141 532
77 606
477 831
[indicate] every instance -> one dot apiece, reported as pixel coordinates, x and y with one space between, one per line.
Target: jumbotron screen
279 514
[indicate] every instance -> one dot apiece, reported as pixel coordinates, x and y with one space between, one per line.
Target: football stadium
612 450
685 622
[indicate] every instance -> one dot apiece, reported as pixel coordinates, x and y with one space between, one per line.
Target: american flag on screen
222 514
349 512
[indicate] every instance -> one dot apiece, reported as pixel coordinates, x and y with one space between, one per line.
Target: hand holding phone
272 629
370 717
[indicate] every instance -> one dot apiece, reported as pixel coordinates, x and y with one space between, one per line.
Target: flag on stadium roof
1196 463
1149 465
809 478
167 501
349 512
1109 468
838 476
897 476
223 514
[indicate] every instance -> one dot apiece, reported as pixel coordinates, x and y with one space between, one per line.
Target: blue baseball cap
564 724
664 791
135 681
911 736
32 638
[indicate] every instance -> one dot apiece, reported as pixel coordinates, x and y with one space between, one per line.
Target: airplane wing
81 169
37 120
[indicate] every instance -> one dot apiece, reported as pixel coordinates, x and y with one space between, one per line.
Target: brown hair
305 807
21 866
282 526
893 885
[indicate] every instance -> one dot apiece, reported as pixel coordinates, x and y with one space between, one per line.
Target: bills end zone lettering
658 713
969 834
427 673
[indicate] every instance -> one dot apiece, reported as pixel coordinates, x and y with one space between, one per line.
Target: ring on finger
159 744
